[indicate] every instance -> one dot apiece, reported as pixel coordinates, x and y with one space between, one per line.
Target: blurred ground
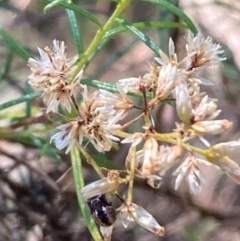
38 203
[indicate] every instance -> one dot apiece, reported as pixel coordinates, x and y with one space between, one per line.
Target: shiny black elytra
102 210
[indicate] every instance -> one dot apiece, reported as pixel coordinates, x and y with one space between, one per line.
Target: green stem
173 138
97 168
99 36
79 183
131 176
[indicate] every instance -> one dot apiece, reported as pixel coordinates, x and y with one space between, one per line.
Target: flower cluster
99 113
95 122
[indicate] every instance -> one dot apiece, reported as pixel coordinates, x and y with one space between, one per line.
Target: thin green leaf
52 5
99 85
106 86
7 66
75 8
79 184
102 161
145 25
46 150
75 31
19 100
14 45
169 6
140 35
28 91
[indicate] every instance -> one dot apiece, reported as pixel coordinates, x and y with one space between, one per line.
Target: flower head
203 52
205 110
68 136
50 74
120 104
96 121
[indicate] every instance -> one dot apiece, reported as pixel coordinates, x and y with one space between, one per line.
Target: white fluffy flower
50 74
203 51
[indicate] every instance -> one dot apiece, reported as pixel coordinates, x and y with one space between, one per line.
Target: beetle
102 210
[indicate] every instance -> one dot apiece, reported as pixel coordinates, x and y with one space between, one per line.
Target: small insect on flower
102 210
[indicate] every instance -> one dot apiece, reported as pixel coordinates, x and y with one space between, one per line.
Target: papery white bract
166 81
99 187
164 60
67 137
134 212
191 171
206 110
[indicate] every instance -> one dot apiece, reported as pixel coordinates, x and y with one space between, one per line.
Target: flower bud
230 167
99 187
211 127
224 149
166 81
183 103
150 150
